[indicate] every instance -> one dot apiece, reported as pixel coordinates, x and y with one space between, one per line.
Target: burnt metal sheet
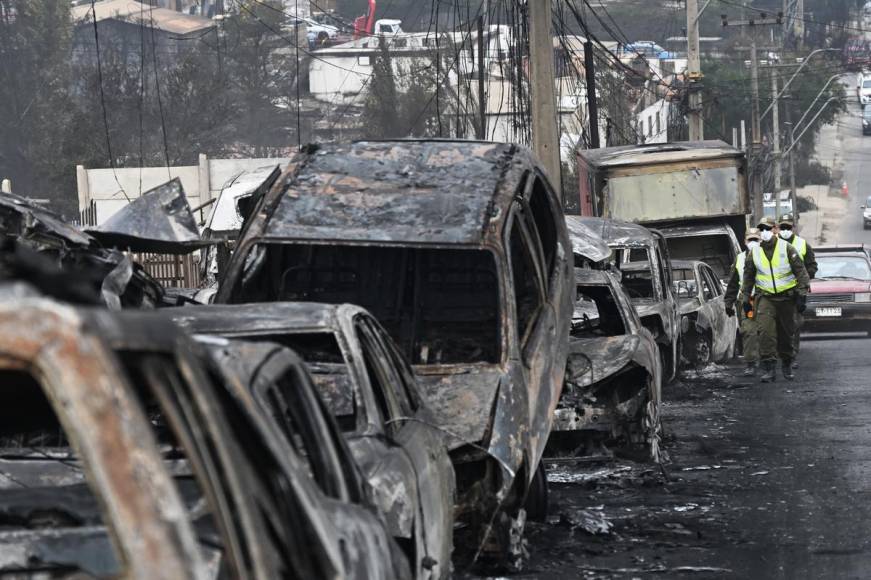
659 153
586 241
595 359
688 231
410 191
160 220
66 262
465 413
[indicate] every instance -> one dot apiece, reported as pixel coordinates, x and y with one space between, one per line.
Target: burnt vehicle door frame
141 514
330 470
722 341
542 326
200 412
416 438
403 443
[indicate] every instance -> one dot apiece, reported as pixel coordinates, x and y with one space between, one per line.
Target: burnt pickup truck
460 251
641 255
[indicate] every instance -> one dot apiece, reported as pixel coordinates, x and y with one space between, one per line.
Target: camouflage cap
786 220
752 234
767 222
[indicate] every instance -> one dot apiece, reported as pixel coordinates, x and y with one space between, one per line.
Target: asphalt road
855 154
763 481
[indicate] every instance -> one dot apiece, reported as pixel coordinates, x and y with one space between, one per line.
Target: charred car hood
593 359
461 399
839 286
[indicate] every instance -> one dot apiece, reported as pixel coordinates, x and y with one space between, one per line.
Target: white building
652 122
109 190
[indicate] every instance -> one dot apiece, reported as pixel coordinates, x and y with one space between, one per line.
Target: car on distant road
863 88
840 298
866 214
648 48
708 333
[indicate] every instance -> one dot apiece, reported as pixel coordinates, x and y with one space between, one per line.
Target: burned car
372 392
713 243
613 383
708 332
460 251
179 481
641 254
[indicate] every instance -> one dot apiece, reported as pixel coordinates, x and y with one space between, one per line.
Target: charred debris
401 332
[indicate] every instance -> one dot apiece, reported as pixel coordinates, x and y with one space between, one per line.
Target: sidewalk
815 224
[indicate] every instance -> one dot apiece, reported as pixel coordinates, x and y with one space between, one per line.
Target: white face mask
752 245
766 235
785 234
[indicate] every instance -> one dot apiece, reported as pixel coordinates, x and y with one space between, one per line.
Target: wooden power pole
756 170
545 134
694 73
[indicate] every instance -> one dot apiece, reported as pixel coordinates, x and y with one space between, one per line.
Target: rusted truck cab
461 252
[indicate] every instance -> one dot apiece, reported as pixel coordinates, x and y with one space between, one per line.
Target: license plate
836 311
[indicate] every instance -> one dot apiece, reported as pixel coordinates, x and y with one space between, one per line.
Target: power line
103 102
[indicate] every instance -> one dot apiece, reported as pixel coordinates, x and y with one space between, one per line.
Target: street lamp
795 74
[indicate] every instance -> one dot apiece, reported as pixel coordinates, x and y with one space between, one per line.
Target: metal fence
88 216
171 270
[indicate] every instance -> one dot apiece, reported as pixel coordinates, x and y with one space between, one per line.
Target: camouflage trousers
776 323
749 335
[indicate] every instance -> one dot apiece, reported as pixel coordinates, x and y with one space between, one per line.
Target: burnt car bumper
837 317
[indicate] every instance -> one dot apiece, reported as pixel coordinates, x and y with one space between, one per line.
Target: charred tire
652 425
537 501
703 354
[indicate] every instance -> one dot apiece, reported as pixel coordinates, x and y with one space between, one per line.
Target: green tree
728 94
35 127
381 108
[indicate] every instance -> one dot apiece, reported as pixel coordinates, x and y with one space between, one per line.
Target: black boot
788 374
769 371
750 369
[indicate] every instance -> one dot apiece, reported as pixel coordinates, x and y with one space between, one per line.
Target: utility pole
776 137
756 173
793 194
592 103
482 97
694 73
545 136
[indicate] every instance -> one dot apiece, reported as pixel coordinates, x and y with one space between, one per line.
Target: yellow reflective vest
774 276
799 244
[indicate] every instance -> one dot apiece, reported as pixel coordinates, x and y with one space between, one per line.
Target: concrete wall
111 190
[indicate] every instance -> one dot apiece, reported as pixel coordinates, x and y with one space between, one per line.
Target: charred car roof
403 192
615 232
586 241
